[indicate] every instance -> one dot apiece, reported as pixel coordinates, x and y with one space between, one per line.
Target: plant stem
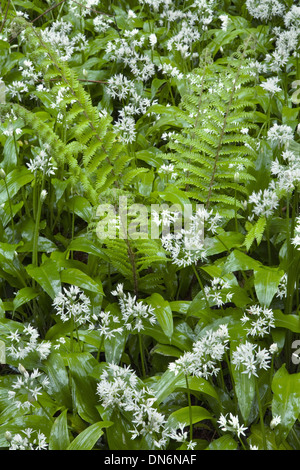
190 406
142 355
200 284
261 415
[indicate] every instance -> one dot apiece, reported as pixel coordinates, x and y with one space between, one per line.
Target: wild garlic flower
188 245
275 421
259 320
265 9
250 359
271 85
42 162
125 128
232 424
296 238
119 388
27 439
281 134
16 89
24 341
265 202
287 174
105 324
134 313
27 388
73 304
216 293
204 359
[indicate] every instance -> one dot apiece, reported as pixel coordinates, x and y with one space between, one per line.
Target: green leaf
181 416
59 436
266 281
47 275
87 439
23 296
286 401
239 261
163 313
290 322
78 278
223 443
244 388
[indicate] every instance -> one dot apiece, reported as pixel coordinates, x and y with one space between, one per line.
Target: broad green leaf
87 439
15 180
59 436
290 322
47 276
244 388
23 296
239 261
78 278
286 400
59 379
181 416
266 281
223 443
163 313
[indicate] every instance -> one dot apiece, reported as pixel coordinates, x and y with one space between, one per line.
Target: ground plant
149 225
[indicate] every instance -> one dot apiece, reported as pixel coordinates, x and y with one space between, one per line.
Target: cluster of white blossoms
119 388
188 245
42 163
271 85
265 9
203 360
59 35
287 174
105 323
282 286
26 340
259 320
296 238
27 439
251 358
218 291
73 304
281 134
232 424
134 312
16 89
27 388
264 201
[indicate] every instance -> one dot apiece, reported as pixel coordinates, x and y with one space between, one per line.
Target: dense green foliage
143 342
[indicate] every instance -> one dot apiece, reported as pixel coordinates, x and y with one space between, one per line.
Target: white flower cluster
216 291
203 360
296 238
60 38
73 304
281 134
259 320
251 358
120 388
25 340
271 85
27 388
134 313
42 162
105 324
265 9
27 439
187 246
288 174
265 202
232 424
